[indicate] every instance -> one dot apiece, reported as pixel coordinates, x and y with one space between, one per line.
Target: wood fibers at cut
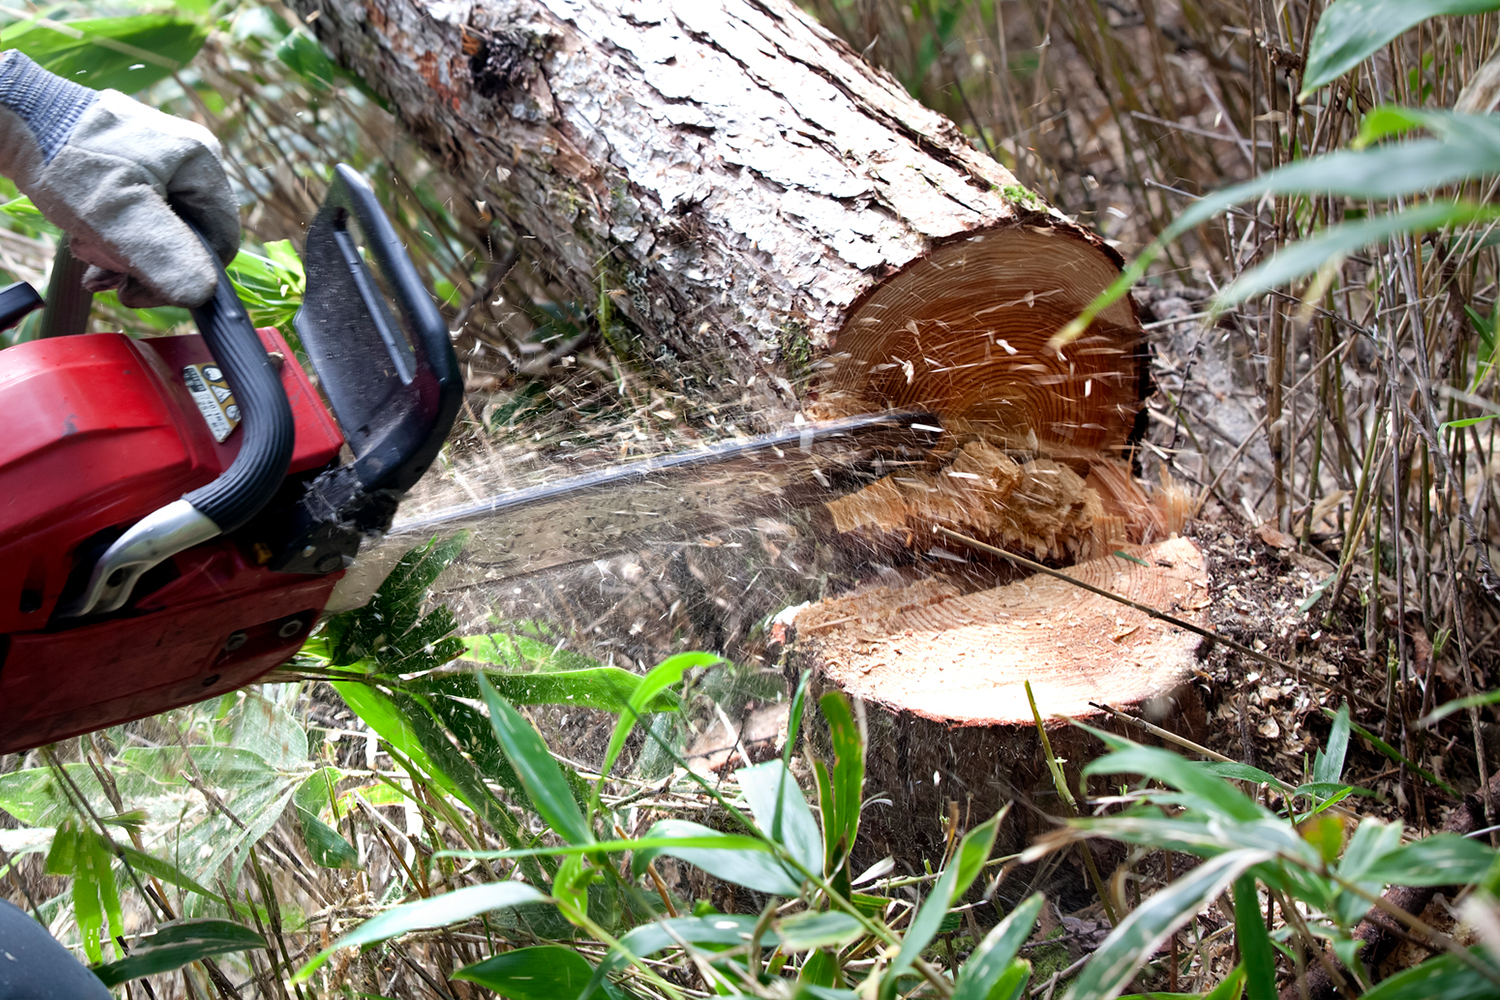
1039 507
928 649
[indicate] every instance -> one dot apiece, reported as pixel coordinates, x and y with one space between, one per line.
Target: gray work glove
102 167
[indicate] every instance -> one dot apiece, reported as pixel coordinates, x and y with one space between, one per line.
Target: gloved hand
102 167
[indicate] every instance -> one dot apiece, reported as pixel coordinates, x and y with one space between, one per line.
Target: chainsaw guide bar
655 501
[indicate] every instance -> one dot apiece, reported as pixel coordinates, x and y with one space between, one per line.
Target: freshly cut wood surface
928 649
964 332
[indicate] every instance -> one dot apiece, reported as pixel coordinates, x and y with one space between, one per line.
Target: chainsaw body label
211 392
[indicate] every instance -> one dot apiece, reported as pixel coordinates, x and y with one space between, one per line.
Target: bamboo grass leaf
737 861
648 939
809 929
1328 764
177 944
1468 147
437 911
539 773
781 812
127 54
994 958
541 972
1137 937
662 676
1331 246
1441 859
1201 790
846 784
1350 31
1256 951
1444 976
924 926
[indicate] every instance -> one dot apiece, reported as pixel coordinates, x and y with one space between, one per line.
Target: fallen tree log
758 205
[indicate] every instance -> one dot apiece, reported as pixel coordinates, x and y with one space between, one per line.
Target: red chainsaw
176 512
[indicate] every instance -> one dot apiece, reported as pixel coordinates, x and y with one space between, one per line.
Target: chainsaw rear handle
240 491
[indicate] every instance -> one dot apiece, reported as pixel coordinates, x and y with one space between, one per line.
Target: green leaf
923 927
543 972
390 631
1240 772
1250 933
177 944
1467 421
404 723
526 647
1466 147
1331 246
973 851
122 53
1137 937
713 841
1198 835
1350 31
270 285
1445 976
992 961
22 210
662 676
815 991
448 703
753 867
324 844
1202 790
102 863
1012 982
608 689
794 718
379 713
781 812
1441 859
539 773
847 783
820 970
1382 747
1230 987
1329 765
648 939
263 727
305 57
438 911
809 929
1444 710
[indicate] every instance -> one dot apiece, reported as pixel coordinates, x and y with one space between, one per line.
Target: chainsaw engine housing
104 432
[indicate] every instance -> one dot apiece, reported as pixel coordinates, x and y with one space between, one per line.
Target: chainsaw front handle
241 490
395 388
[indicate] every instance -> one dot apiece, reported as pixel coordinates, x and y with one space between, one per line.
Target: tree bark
759 204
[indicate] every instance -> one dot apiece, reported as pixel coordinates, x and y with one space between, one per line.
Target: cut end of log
962 659
963 332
